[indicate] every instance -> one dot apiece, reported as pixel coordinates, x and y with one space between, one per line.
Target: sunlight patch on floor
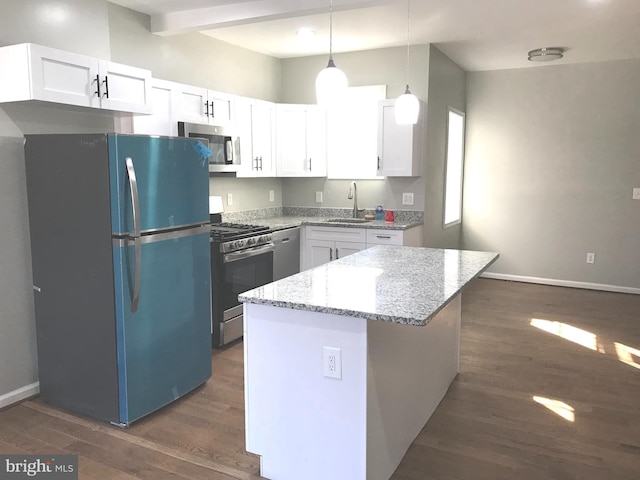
626 354
556 406
568 332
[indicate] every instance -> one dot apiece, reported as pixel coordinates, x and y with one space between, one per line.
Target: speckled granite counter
298 216
321 370
394 284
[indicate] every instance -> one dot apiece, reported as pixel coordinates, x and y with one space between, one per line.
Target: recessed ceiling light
305 33
546 54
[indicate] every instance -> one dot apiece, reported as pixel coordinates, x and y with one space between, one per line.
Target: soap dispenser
379 213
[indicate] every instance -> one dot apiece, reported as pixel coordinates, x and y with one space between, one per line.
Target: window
454 168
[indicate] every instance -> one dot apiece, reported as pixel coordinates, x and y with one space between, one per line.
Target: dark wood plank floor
556 399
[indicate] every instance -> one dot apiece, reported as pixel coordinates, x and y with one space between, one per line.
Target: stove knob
251 241
239 243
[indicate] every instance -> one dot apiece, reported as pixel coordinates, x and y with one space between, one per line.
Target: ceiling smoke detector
546 54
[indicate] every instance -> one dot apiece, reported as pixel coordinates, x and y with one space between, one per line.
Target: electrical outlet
272 196
319 197
332 362
591 258
407 198
636 193
229 199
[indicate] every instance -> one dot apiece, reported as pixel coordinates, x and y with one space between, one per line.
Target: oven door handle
249 252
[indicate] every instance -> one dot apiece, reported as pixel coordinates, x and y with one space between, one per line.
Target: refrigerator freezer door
164 348
172 182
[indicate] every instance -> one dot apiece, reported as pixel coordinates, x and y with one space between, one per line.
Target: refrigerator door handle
135 205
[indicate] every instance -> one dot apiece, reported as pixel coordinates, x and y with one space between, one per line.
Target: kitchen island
346 362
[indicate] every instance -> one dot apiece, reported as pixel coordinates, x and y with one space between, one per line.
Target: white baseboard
561 283
19 394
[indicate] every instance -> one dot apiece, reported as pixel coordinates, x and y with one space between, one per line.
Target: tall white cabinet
255 124
301 137
401 148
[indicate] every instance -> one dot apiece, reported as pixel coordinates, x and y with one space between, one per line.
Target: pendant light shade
407 106
331 82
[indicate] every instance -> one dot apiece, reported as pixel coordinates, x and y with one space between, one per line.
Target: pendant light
331 82
407 106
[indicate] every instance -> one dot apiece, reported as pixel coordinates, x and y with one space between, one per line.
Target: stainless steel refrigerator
119 230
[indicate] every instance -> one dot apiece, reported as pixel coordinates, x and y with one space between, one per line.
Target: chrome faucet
353 193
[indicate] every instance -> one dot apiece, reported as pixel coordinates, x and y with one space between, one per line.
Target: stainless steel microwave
224 146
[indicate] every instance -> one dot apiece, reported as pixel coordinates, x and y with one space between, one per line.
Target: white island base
308 426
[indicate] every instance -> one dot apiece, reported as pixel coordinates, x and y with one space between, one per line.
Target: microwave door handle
229 151
135 205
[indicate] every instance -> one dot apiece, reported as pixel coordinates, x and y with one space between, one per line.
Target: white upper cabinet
199 105
401 148
301 136
34 72
162 120
352 134
255 124
124 88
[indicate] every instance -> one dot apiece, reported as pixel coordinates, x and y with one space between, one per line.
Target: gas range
241 259
232 237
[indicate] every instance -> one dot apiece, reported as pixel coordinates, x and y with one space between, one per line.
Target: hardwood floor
543 393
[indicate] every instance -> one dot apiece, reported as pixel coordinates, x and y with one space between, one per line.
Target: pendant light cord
331 30
408 3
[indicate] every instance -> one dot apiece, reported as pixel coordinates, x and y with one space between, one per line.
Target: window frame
458 220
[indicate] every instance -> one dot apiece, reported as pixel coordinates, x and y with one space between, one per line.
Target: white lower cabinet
324 244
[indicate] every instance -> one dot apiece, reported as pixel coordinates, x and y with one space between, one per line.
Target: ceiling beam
243 12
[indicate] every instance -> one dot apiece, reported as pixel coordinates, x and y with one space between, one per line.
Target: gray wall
75 25
447 88
17 328
192 58
373 67
552 156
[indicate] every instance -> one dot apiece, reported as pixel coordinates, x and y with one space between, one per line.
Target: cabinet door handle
383 236
309 163
213 111
97 92
256 162
330 253
106 86
378 162
206 108
337 256
260 163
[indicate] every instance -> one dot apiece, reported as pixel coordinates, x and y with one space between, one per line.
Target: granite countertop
288 221
279 218
406 285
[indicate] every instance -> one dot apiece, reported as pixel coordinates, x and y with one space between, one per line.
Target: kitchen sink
347 220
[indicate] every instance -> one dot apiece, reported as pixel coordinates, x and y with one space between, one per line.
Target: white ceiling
476 34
